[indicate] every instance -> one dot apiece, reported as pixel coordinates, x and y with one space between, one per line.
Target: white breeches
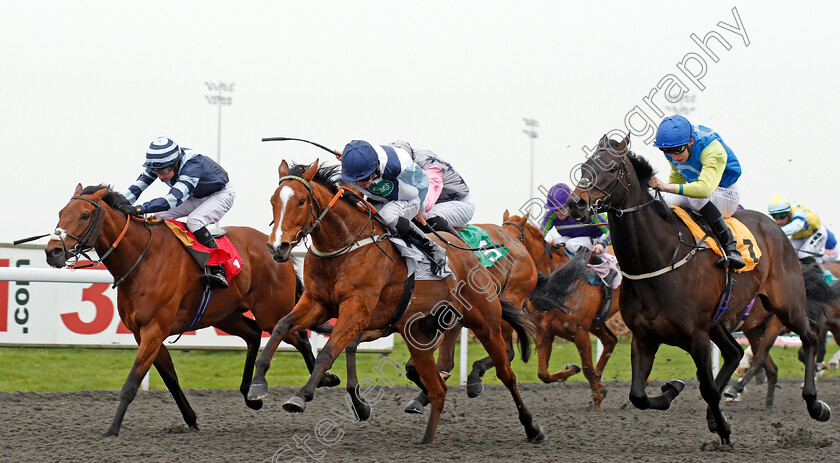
201 212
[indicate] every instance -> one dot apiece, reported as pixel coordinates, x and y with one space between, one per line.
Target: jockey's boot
440 224
413 235
213 275
724 235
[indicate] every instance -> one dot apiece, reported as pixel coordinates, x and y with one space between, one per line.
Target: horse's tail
522 324
552 291
816 288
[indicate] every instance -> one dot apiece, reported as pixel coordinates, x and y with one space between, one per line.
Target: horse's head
294 209
79 225
604 179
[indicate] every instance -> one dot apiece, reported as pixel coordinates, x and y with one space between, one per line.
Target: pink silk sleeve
435 175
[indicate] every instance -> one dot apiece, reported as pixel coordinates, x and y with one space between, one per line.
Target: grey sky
87 85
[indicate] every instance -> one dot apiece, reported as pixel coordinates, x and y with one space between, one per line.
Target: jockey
200 190
594 238
802 226
396 186
704 172
448 201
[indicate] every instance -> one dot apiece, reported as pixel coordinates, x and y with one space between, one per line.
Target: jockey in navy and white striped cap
162 152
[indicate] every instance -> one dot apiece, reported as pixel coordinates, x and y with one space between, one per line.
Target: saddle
226 254
746 242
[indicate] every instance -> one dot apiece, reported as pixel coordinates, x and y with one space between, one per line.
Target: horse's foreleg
761 351
731 352
642 355
816 408
347 327
361 407
301 343
474 384
246 328
584 347
306 313
151 339
163 364
425 367
701 354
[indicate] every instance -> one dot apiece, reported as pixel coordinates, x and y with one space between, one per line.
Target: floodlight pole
219 100
531 132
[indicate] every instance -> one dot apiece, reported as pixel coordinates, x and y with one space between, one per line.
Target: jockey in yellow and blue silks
704 172
803 227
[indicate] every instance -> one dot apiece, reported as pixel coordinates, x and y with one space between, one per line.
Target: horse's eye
85 215
302 201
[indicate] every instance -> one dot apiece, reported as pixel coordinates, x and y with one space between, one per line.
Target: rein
92 234
547 248
363 205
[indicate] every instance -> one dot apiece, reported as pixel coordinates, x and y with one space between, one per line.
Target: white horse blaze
285 193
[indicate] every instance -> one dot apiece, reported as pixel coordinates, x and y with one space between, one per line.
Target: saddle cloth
418 263
476 237
226 254
744 238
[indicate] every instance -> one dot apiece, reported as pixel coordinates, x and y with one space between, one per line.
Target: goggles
163 170
780 215
674 149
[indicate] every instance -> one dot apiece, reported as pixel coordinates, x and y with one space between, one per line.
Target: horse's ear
99 194
527 215
505 216
284 169
604 141
78 190
624 144
310 173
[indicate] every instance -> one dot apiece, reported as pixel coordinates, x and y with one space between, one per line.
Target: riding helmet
778 205
557 196
673 131
358 161
162 152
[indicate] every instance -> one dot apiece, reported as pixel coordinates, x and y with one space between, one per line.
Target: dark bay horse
359 278
160 290
574 325
670 293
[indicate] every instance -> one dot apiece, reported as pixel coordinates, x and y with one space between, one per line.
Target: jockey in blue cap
704 172
594 238
200 191
396 186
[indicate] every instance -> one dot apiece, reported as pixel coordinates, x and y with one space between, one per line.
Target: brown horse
359 278
160 292
671 292
574 325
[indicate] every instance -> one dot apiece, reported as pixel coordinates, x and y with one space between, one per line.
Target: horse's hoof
414 407
362 412
730 392
603 393
539 437
110 433
257 391
329 380
474 389
673 387
820 411
254 404
572 366
295 405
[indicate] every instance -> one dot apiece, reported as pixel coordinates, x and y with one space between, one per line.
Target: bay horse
671 292
516 279
159 289
573 325
359 278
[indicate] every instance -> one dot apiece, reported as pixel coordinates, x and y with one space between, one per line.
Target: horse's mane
113 199
326 175
645 172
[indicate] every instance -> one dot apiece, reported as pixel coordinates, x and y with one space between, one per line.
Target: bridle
91 235
546 249
314 219
605 204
